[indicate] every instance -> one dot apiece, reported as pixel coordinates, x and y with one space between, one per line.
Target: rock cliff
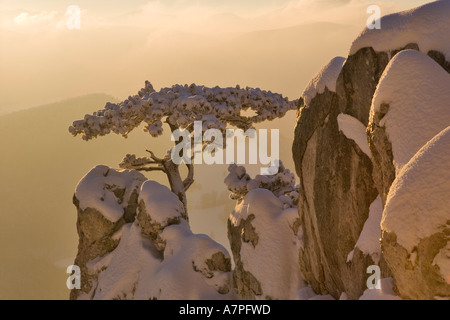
340 182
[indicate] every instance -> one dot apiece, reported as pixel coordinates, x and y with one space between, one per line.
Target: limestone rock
248 287
382 157
416 223
264 239
399 134
134 243
158 208
102 189
336 179
339 182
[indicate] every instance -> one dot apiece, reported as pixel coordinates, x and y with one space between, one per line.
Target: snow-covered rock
158 208
149 251
333 164
353 129
191 267
122 272
427 26
106 199
194 266
108 191
282 184
369 239
416 91
401 96
409 108
325 78
416 223
264 240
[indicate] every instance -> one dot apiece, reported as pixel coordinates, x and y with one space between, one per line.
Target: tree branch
154 158
239 121
151 169
190 177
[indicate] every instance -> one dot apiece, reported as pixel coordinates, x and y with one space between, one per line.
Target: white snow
326 77
305 293
95 190
274 259
418 92
180 106
426 25
350 255
354 130
369 239
281 184
385 293
136 270
134 257
418 203
184 273
161 204
343 296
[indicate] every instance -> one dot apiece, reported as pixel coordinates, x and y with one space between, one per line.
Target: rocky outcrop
248 287
134 243
415 229
264 242
158 209
98 235
416 276
381 149
336 179
379 143
416 248
264 234
339 183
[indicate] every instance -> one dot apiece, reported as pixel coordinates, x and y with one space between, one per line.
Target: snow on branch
131 162
180 106
281 184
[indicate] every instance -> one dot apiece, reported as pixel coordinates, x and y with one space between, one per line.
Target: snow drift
427 26
417 91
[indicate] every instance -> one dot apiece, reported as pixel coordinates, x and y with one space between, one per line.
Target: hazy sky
123 43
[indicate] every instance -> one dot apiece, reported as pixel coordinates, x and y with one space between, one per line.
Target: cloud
208 17
41 18
50 22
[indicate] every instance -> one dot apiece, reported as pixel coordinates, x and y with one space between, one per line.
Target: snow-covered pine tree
180 106
282 184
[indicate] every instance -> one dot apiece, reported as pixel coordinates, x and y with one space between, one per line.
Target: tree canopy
180 106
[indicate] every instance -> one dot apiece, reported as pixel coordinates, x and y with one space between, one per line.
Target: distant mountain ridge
40 166
79 101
